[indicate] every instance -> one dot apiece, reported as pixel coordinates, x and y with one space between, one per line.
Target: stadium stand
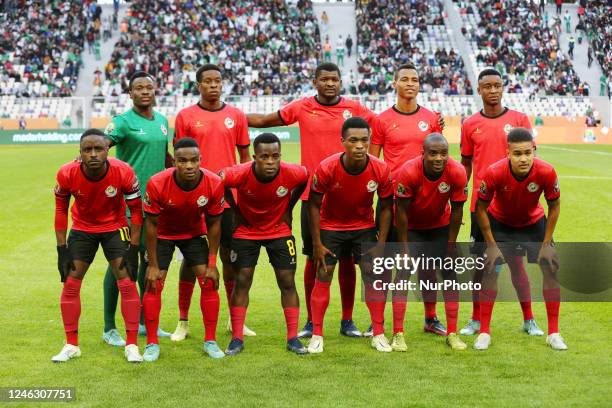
40 47
266 47
391 32
530 60
598 18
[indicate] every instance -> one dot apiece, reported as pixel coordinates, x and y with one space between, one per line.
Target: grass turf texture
517 370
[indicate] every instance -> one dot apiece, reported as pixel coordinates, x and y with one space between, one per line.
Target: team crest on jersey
110 191
556 187
483 187
229 123
372 186
532 187
347 114
423 125
507 128
109 128
147 199
202 201
282 191
401 190
198 124
164 130
443 187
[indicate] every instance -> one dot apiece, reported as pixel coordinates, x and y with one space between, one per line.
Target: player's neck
353 166
492 111
95 174
187 185
405 105
144 111
324 100
211 105
430 174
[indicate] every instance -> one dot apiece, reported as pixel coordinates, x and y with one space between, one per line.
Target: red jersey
429 207
348 198
262 204
99 206
181 213
517 203
321 127
401 135
217 132
485 139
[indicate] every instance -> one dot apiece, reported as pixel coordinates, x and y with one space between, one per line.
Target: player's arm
314 213
456 217
169 159
375 149
492 253
260 120
213 226
153 272
243 153
401 218
547 252
466 161
385 217
64 258
295 197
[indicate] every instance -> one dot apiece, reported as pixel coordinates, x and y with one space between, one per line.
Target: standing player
342 218
141 137
100 187
484 142
220 130
423 188
268 190
512 222
183 206
320 119
400 132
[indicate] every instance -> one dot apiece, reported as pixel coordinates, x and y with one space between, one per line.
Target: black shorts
281 252
519 240
227 227
347 242
84 245
429 242
306 236
392 236
195 251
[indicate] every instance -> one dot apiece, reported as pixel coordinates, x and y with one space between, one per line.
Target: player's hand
130 261
319 253
65 263
548 257
441 120
153 275
491 255
287 218
212 273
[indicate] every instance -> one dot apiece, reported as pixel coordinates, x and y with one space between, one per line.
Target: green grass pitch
517 370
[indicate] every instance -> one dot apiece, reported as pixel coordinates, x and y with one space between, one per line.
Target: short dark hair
434 138
519 135
204 68
356 122
185 142
327 66
407 65
92 132
266 138
489 71
139 74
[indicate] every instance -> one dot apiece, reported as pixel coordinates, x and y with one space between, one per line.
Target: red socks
184 298
451 306
520 281
347 279
552 298
309 281
130 309
430 310
487 300
375 301
238 315
209 303
399 314
292 316
151 304
70 305
319 301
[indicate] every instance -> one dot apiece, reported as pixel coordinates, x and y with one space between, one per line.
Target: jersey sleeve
229 177
367 114
180 127
385 187
151 202
62 184
290 113
320 180
525 122
434 123
466 144
552 190
402 185
116 130
486 191
62 201
378 132
130 185
301 175
217 201
459 186
242 130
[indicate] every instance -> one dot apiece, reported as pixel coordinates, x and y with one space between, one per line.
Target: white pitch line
565 149
586 177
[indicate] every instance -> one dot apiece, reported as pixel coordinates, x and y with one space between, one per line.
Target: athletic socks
309 281
238 315
487 301
130 308
70 305
399 314
552 299
375 301
347 276
318 302
184 298
520 281
292 316
430 310
151 305
451 307
209 304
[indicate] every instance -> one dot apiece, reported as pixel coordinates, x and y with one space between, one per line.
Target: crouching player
512 222
342 219
268 189
100 186
182 206
423 187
